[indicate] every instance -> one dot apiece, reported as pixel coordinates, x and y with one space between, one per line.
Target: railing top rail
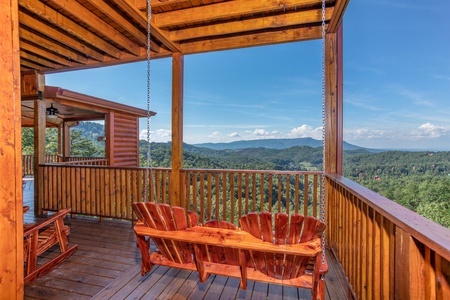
72 165
252 171
431 234
72 162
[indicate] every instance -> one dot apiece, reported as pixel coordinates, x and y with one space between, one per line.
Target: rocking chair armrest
59 215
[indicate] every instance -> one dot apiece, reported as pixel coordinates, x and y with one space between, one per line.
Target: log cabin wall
125 138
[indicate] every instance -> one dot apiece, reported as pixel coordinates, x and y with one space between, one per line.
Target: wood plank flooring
107 266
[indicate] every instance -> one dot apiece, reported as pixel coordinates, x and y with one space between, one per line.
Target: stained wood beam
56 35
31 65
52 16
11 211
223 10
98 24
39 60
297 18
267 38
141 18
142 4
51 46
44 53
120 20
177 128
338 15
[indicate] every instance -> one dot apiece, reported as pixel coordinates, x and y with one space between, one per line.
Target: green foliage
83 140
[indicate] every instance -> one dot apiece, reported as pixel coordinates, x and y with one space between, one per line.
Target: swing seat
290 255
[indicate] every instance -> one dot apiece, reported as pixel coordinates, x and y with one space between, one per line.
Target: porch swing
278 249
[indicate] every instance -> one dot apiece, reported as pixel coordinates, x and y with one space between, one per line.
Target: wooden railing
99 190
229 194
386 250
28 162
214 194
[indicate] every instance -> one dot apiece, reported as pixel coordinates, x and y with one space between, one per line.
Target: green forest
419 181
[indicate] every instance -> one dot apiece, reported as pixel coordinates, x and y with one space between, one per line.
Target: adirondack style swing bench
288 255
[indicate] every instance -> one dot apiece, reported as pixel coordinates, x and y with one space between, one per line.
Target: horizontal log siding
126 141
100 190
229 194
386 250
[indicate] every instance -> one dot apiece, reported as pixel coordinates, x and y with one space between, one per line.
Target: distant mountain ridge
271 144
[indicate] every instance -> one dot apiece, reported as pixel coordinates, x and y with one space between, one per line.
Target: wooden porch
107 266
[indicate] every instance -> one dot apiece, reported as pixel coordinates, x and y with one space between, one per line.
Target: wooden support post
66 141
39 152
109 131
11 203
333 102
177 128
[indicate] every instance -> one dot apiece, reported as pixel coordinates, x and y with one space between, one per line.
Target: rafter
295 18
56 35
51 46
30 64
98 24
223 10
141 18
114 15
260 39
338 14
44 53
52 16
39 60
142 4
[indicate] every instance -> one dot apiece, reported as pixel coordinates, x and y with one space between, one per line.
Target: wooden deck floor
107 266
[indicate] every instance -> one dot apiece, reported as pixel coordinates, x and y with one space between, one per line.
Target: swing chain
149 169
322 191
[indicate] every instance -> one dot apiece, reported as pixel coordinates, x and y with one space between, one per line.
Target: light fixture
51 112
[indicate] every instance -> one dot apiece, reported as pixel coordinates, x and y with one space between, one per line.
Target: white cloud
234 135
159 135
425 136
429 130
305 131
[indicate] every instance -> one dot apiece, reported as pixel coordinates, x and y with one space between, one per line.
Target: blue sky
396 84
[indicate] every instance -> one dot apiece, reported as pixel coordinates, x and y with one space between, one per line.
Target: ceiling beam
120 20
39 60
97 24
52 16
24 45
141 18
224 10
51 46
251 40
30 65
142 4
58 36
338 15
294 18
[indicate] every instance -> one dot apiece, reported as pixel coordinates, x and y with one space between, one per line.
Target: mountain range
272 144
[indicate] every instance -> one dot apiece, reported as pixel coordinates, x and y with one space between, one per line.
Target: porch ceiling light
51 112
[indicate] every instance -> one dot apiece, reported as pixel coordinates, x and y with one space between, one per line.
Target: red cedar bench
289 256
38 238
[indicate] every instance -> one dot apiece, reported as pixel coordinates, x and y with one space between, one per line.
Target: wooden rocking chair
38 238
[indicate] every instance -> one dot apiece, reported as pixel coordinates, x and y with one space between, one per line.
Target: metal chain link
149 169
322 190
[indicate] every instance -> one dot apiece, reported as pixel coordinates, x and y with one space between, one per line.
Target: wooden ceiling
59 35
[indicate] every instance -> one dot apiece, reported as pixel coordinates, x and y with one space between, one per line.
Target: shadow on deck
107 266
